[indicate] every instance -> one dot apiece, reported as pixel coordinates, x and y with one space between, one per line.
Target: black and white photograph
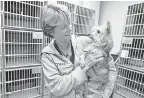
72 49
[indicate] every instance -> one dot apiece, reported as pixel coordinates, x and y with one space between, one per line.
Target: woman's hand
91 58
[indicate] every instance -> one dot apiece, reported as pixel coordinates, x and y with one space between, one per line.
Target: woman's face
62 32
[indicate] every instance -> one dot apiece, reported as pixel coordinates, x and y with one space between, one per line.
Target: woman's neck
63 45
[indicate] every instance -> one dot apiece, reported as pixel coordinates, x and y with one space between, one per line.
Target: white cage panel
22 14
22 48
130 81
132 53
84 20
23 82
135 20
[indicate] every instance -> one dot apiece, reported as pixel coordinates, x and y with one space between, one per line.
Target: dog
101 40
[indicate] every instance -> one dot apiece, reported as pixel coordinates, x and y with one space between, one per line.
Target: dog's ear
109 36
108 27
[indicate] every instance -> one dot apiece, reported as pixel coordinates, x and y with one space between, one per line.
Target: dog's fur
98 76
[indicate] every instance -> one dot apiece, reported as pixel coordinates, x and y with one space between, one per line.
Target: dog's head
101 35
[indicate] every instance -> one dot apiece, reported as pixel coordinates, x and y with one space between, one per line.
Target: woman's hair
53 15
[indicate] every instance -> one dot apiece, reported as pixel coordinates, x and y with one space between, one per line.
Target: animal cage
20 48
21 14
21 42
21 57
130 80
23 82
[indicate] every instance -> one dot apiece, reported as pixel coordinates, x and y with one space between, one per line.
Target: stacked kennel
21 41
130 81
21 44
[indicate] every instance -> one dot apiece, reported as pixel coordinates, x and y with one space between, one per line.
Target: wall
115 12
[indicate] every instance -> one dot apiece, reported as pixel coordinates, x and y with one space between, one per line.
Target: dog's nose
98 31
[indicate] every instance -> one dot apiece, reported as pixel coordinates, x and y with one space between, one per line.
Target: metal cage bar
130 80
23 81
20 67
84 20
22 15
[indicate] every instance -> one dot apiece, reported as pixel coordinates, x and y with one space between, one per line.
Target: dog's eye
98 31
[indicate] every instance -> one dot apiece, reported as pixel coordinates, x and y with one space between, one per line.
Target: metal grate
23 82
130 81
22 14
84 20
22 48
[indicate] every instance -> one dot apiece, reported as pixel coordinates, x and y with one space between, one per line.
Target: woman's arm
58 84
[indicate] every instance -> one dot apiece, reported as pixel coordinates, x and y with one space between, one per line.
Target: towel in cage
98 75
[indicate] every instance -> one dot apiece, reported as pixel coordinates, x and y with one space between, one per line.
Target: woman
64 68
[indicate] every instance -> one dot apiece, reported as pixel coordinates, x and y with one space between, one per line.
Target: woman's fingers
98 59
94 61
95 52
97 55
93 57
